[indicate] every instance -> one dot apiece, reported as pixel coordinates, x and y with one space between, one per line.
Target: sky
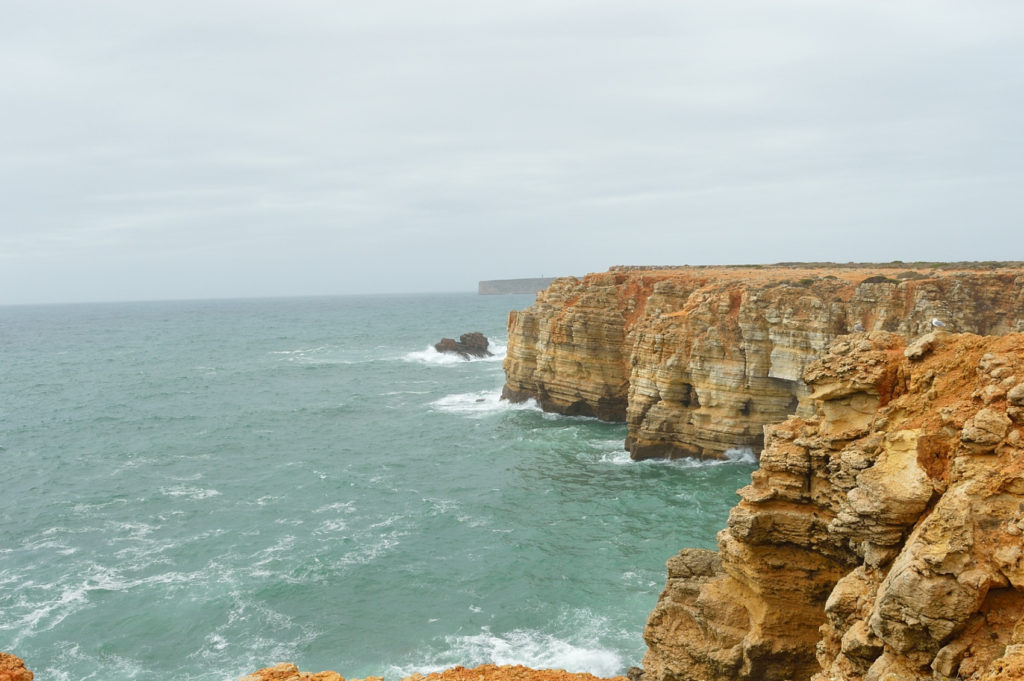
212 149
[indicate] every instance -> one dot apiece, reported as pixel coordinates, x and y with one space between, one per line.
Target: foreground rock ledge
882 538
13 669
697 360
488 672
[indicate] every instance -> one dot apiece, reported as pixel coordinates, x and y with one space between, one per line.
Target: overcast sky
197 149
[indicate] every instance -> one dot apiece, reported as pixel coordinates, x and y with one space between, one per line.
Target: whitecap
388 522
346 506
216 641
439 506
44 614
471 521
617 458
578 653
480 404
196 493
744 456
300 351
369 552
330 526
431 356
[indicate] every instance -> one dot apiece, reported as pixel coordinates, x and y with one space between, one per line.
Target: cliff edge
881 538
697 360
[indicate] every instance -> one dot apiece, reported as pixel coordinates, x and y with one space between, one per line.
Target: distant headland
498 287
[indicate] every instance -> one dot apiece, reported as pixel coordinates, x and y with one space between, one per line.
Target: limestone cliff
881 538
698 360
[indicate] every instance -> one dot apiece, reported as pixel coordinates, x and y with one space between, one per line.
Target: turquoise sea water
199 489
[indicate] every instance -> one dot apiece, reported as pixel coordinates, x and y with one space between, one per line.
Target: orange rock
286 671
487 672
13 669
882 537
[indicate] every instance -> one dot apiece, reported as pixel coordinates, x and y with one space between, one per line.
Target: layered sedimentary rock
882 538
698 360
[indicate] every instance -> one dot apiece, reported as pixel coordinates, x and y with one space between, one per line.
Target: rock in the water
469 345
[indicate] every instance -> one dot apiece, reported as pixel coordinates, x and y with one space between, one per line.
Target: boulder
469 345
13 669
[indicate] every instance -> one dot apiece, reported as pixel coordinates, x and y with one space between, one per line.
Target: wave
300 351
432 357
740 455
195 493
52 603
317 357
480 403
578 652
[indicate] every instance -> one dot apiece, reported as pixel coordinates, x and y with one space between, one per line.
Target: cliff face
698 360
881 538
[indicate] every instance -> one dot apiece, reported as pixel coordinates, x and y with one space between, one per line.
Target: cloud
455 141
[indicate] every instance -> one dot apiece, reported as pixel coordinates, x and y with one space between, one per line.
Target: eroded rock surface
698 360
12 668
881 538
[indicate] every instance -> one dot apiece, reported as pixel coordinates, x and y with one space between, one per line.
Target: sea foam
744 456
480 403
575 648
433 357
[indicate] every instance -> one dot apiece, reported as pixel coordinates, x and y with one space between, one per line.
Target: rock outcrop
13 669
469 345
698 360
286 671
487 672
881 539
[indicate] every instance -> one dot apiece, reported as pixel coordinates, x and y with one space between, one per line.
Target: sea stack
473 344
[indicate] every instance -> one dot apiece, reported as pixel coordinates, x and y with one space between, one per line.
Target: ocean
199 489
